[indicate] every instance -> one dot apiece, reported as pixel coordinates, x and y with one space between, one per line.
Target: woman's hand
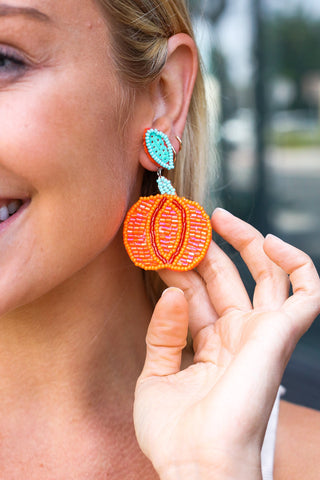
208 421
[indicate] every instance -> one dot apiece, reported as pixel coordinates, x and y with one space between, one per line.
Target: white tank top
269 444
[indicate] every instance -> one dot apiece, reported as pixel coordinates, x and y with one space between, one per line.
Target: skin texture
298 441
74 313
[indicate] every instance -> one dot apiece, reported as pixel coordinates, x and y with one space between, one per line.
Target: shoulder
298 443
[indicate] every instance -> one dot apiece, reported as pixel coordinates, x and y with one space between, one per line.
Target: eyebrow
8 10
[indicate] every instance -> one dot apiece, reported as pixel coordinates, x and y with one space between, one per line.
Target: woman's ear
171 92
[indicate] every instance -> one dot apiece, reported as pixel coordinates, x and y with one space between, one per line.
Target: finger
223 281
272 284
166 335
201 311
202 315
304 305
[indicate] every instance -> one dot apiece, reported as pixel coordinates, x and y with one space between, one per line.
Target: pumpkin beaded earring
165 231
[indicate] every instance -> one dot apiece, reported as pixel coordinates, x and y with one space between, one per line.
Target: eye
10 62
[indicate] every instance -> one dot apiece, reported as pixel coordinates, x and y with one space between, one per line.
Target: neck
69 364
83 342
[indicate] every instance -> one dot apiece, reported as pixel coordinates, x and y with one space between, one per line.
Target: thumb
166 335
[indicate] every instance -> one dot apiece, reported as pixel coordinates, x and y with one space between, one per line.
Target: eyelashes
11 63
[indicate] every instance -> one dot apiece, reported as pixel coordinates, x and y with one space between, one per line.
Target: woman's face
61 151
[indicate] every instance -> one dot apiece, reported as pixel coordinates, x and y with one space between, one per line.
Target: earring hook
180 142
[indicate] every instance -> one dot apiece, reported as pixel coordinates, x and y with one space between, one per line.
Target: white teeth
4 214
10 209
13 206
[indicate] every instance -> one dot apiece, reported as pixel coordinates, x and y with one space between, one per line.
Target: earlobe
172 92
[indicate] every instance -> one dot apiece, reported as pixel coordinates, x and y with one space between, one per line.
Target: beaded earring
165 231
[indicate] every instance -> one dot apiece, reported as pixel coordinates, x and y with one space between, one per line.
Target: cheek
56 129
68 153
62 139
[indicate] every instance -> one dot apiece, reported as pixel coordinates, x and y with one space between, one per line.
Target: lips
8 207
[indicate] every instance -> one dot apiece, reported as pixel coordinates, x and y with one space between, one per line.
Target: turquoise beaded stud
158 148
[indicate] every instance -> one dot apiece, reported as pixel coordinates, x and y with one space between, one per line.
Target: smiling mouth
8 208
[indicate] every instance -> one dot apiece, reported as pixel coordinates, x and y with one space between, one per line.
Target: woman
79 83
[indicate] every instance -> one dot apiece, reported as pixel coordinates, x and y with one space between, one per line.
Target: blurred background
262 59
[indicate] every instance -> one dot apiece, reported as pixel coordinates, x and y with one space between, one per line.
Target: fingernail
222 210
274 237
171 289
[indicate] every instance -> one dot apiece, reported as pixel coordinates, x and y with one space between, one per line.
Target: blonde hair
140 30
